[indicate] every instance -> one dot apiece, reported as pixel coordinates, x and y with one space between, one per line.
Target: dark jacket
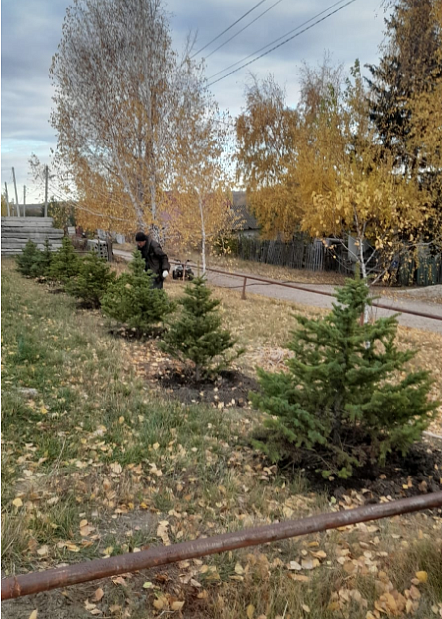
155 258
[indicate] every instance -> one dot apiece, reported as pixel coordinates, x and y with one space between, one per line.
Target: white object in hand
165 274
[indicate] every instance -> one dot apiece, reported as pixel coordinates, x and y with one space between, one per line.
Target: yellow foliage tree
200 200
266 135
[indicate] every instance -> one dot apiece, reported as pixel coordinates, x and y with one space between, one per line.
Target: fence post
243 295
110 255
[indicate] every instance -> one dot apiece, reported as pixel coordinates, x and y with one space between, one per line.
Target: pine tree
132 300
45 260
408 72
65 262
197 335
343 395
33 262
93 280
28 259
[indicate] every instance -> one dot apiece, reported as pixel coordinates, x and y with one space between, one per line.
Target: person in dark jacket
155 258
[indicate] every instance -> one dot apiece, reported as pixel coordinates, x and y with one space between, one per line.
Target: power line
278 39
227 29
245 28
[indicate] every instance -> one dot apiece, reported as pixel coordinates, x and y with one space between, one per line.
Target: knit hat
140 236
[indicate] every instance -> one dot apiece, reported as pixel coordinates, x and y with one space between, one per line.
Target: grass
95 460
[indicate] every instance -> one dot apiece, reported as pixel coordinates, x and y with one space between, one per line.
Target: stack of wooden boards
17 231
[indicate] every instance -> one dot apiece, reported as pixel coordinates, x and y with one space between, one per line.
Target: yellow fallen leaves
162 532
422 576
17 502
168 602
116 468
85 528
34 614
98 595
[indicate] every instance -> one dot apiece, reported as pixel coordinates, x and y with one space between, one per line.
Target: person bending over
154 256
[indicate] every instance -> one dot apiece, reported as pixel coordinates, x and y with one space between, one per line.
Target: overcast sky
31 31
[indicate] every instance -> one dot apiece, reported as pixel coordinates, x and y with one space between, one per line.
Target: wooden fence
425 271
315 256
298 254
17 231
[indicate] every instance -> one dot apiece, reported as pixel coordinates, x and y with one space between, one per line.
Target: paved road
314 299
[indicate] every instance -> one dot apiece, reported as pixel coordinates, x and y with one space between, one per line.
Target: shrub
346 395
132 300
65 262
197 335
33 262
93 280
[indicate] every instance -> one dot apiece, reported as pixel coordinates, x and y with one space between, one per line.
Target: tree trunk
203 235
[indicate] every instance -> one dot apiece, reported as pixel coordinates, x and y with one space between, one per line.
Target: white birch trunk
203 235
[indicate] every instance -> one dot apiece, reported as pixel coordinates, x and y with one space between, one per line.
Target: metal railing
35 582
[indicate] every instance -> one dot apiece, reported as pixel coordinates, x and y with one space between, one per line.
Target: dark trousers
157 283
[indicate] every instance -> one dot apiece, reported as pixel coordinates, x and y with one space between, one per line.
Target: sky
31 31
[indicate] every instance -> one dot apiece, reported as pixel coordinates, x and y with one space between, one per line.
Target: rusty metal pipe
35 582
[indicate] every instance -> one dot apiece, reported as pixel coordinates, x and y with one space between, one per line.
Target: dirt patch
127 333
228 389
419 472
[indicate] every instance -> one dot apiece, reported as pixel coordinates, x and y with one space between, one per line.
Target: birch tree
115 76
201 183
267 147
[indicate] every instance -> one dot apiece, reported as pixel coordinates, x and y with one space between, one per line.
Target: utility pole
46 190
16 194
7 200
24 200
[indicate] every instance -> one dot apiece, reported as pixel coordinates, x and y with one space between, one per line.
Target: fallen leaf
119 580
34 614
239 569
299 577
17 502
309 564
163 533
98 595
422 576
250 611
294 565
177 605
160 603
116 468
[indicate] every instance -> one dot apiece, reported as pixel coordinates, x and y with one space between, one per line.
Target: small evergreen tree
196 335
344 395
28 258
65 262
45 260
132 300
92 281
33 262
